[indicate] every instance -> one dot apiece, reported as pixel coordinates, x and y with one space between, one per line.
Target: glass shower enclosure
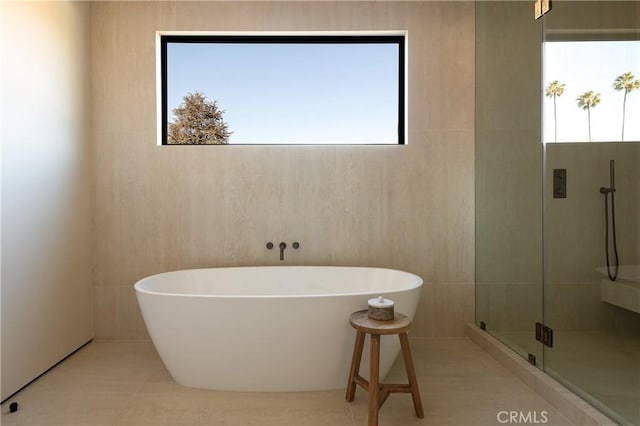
558 193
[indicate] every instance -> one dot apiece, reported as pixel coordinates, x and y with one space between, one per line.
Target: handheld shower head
612 179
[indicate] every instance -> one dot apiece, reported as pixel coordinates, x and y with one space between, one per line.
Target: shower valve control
559 183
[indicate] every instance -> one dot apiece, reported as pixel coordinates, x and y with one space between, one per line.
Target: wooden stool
379 392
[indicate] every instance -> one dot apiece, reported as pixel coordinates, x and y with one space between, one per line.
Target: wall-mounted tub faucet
283 246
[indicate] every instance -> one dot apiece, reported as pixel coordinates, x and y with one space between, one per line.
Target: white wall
46 187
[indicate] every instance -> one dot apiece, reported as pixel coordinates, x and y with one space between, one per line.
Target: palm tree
587 101
555 89
627 83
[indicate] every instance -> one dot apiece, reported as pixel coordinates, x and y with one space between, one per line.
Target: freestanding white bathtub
267 329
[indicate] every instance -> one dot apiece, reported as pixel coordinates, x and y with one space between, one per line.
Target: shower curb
574 408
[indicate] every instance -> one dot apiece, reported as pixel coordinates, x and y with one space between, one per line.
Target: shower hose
613 276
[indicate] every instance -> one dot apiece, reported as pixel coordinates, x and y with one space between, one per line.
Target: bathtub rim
417 282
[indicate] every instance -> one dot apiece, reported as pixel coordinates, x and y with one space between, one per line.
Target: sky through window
591 66
293 93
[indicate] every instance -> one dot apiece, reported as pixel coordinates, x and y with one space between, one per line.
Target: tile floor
112 383
604 365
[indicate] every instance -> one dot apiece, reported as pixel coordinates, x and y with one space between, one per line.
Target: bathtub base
233 352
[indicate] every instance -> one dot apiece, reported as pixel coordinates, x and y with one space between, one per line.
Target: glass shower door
508 174
591 131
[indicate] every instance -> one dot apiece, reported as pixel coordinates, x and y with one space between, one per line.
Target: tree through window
198 122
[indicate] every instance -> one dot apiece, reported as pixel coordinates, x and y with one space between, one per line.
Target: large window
592 91
283 89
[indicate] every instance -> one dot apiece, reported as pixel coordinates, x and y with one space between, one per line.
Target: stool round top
399 324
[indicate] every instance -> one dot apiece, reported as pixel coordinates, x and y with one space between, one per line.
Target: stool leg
411 374
374 380
355 365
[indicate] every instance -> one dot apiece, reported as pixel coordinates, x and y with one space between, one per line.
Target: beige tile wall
594 16
574 232
164 208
